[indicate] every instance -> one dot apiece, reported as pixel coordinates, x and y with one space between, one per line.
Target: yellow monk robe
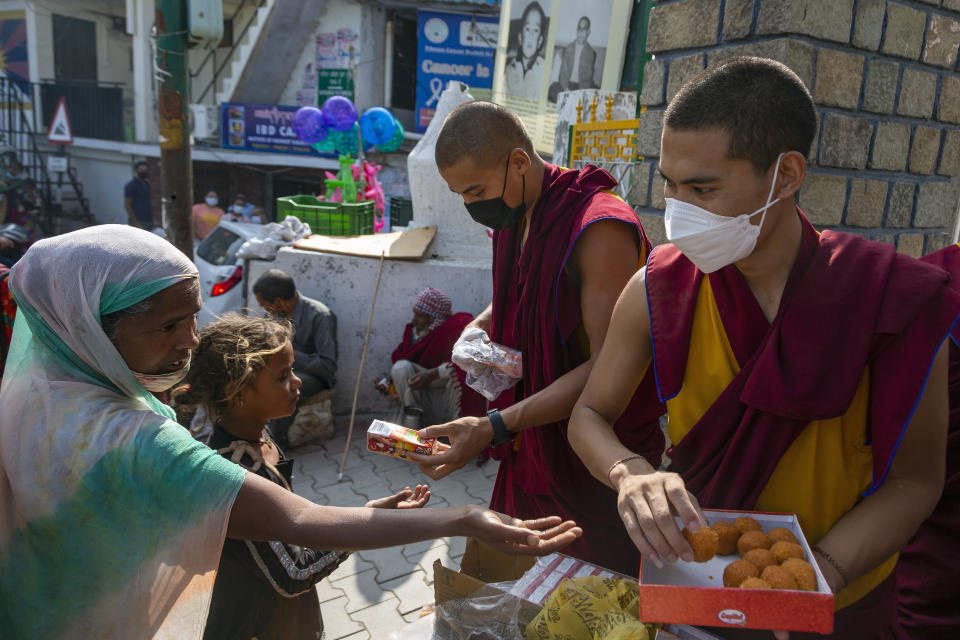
824 472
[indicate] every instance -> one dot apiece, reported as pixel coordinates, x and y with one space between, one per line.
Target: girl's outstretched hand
519 537
406 499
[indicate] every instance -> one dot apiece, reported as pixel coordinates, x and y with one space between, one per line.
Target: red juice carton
394 440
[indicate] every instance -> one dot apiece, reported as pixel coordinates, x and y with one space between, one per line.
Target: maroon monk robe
848 304
434 349
536 309
928 574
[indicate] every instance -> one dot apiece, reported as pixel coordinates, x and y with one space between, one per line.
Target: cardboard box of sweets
535 579
394 440
693 592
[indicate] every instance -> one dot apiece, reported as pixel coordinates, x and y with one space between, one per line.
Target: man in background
314 339
430 388
136 198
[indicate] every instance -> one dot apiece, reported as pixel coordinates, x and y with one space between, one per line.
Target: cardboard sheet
412 244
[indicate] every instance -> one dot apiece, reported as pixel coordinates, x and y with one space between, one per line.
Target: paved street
375 592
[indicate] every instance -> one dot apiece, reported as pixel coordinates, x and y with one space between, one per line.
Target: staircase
65 206
249 20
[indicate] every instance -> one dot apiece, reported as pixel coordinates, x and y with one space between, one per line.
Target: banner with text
260 127
452 46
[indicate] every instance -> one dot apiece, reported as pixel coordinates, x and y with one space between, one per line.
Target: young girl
242 375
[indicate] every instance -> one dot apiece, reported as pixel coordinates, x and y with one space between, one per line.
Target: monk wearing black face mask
563 248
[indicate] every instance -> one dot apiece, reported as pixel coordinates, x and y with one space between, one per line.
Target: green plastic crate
328 218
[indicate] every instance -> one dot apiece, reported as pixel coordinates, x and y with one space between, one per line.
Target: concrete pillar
458 236
140 26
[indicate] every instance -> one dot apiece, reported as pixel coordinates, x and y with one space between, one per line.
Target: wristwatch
500 433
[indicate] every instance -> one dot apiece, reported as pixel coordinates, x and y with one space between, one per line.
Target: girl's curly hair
231 352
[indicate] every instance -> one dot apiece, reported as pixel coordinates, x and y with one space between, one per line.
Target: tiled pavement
376 592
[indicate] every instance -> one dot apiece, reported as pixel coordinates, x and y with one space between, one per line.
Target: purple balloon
310 125
340 113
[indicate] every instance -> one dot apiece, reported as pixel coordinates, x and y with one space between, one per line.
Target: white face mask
711 241
158 383
212 201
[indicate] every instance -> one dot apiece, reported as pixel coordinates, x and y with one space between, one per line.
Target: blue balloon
395 141
310 125
377 125
340 113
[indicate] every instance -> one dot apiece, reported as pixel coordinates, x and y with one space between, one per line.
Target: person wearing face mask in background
802 372
206 215
235 212
563 249
136 198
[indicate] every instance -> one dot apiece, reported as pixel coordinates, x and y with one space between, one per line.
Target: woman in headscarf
431 389
112 517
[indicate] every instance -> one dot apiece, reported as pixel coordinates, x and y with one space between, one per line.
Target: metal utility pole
173 107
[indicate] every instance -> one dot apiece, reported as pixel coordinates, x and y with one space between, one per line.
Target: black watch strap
500 433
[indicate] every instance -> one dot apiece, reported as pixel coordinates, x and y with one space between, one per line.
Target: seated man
314 339
432 390
803 372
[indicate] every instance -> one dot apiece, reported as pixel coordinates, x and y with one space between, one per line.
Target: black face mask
495 213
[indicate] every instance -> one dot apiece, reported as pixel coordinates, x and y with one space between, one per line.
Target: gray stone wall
886 80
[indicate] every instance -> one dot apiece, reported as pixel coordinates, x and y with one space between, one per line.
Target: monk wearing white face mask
802 372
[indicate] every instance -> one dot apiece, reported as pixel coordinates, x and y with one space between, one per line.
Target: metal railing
237 39
19 128
96 108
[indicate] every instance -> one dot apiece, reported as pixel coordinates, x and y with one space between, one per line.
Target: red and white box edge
678 592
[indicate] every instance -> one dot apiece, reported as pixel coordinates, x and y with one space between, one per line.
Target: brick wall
885 77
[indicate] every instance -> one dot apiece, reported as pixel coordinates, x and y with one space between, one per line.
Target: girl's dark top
265 590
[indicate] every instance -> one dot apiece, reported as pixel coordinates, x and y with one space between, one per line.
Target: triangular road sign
60 131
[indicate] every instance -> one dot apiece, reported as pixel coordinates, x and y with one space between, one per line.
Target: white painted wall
113 57
368 21
346 283
103 174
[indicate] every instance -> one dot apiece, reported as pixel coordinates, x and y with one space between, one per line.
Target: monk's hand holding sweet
648 501
468 437
519 537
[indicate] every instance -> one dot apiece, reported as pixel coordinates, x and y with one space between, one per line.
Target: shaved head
482 131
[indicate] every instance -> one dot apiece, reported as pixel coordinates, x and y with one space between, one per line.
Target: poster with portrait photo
527 48
537 50
579 46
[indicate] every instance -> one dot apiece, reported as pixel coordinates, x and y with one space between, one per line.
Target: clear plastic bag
488 614
491 368
272 237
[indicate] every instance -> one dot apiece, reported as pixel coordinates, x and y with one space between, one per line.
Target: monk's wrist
626 467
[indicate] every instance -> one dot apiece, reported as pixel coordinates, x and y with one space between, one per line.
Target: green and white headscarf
112 517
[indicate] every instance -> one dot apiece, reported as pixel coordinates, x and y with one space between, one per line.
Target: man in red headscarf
563 248
430 388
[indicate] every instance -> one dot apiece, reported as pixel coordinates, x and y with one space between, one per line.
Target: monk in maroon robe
802 372
564 246
928 576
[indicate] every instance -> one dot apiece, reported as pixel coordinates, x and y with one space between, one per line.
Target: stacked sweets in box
751 570
394 440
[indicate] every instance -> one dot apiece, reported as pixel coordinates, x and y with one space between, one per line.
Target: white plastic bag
273 236
491 368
